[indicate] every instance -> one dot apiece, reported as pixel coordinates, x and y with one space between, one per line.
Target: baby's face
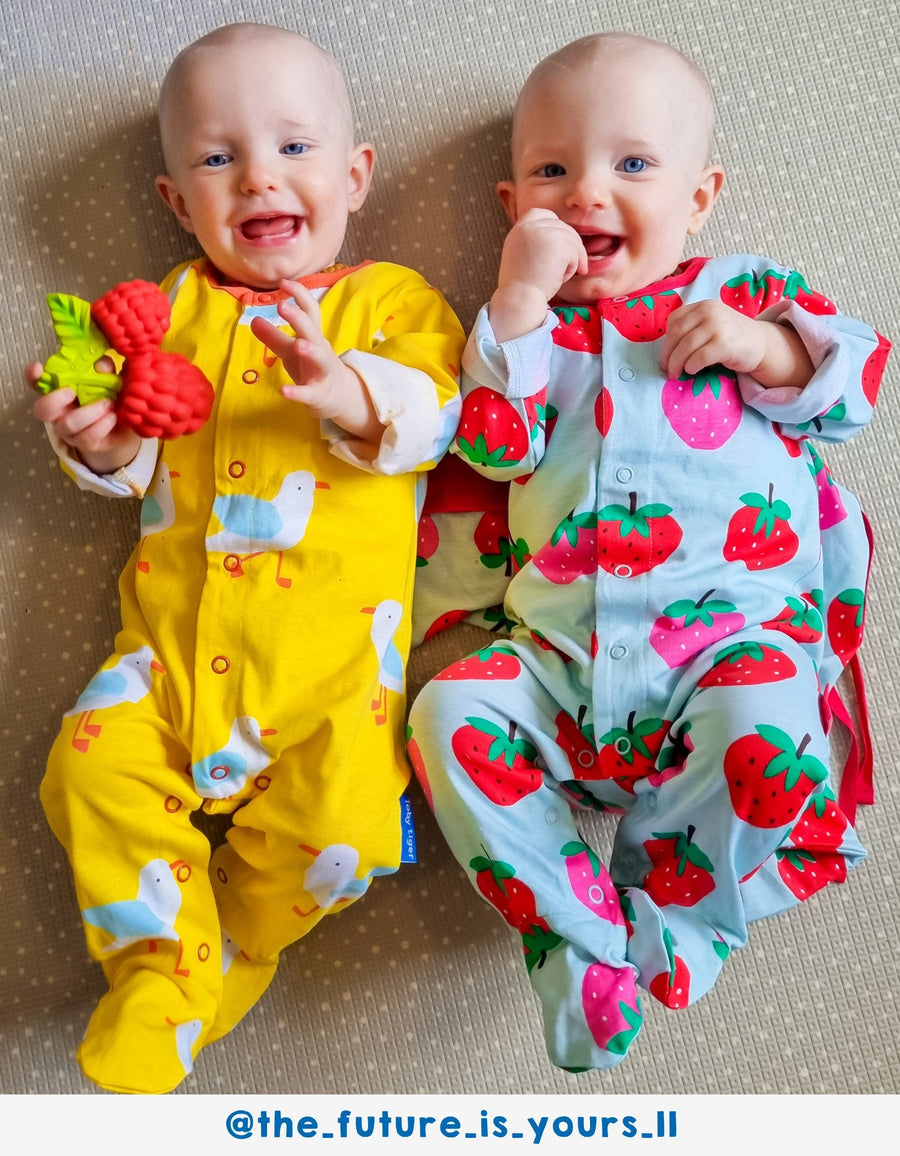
262 166
617 149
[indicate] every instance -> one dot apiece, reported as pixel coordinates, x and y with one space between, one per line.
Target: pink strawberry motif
611 1006
845 618
749 664
874 369
428 540
491 664
632 540
831 506
759 534
681 874
770 777
491 432
704 410
571 551
801 618
499 764
579 327
591 883
687 627
643 318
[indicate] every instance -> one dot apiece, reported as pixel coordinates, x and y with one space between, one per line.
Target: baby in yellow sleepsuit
265 610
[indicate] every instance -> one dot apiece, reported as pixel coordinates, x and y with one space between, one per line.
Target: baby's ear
168 190
506 191
359 176
705 195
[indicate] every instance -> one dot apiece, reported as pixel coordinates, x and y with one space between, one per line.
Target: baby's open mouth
600 244
280 225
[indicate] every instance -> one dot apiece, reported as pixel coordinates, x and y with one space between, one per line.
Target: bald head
638 62
249 54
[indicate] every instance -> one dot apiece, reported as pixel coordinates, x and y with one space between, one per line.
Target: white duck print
225 771
127 680
150 916
386 618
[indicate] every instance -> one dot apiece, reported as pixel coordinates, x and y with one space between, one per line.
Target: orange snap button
220 664
250 377
237 469
231 562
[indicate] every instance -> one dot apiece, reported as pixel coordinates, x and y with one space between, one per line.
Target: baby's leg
757 753
307 846
483 744
117 799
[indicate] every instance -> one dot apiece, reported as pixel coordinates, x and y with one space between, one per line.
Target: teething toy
157 394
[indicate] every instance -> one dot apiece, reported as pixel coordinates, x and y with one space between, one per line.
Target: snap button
231 562
219 773
626 373
550 816
618 651
585 758
250 377
220 664
622 745
623 570
624 474
236 469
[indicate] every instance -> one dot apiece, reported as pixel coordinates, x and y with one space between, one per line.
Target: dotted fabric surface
420 988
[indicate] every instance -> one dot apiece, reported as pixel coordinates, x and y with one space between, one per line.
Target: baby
259 671
678 545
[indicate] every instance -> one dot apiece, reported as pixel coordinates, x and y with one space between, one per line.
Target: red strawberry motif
428 540
673 987
445 621
571 551
577 741
681 872
134 316
749 664
801 618
643 318
845 618
515 901
499 764
591 883
751 295
704 410
759 534
792 445
603 411
769 777
495 546
629 753
491 432
687 627
418 765
873 369
831 506
632 540
163 395
822 825
579 327
491 664
611 1006
811 859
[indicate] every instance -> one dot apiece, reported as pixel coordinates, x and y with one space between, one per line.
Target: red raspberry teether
163 395
133 315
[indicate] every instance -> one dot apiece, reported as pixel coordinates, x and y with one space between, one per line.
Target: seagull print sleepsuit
690 580
259 669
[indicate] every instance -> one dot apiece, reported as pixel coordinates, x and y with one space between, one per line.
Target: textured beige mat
419 988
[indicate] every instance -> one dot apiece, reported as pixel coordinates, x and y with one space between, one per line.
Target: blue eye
217 160
633 165
551 170
294 149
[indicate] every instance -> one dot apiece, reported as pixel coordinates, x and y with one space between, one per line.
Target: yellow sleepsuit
259 669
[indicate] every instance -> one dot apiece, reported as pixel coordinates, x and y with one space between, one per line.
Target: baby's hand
319 379
540 253
708 333
91 430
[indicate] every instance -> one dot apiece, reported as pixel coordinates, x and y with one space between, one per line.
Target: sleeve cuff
516 369
127 482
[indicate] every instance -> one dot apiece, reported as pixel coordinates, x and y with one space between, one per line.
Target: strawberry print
571 551
603 411
629 753
491 432
704 410
445 621
673 987
812 859
643 318
751 294
579 327
418 765
759 534
749 664
687 627
491 664
831 506
769 777
576 739
681 872
428 540
844 620
611 1007
590 882
495 548
515 901
873 369
633 539
801 618
499 764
